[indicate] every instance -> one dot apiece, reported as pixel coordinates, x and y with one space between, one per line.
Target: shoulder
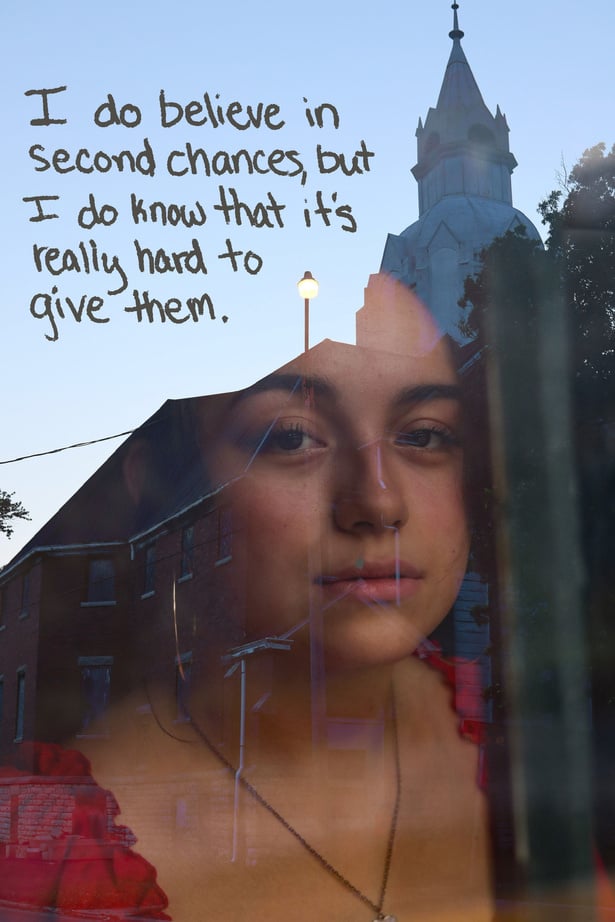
433 703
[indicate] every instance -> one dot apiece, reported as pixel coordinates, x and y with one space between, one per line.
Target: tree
10 509
577 268
509 266
511 277
580 245
581 239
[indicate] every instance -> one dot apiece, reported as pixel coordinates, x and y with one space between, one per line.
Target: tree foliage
510 265
581 238
579 260
10 509
508 280
576 267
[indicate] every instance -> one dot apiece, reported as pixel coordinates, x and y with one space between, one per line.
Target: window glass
95 693
101 581
225 533
187 551
149 574
20 705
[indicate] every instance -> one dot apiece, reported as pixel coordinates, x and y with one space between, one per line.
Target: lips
389 582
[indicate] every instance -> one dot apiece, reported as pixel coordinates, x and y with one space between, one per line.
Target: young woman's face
344 477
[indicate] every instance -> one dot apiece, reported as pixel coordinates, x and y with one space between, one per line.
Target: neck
304 715
361 694
292 711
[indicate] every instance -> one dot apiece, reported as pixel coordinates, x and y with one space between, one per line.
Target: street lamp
308 289
237 657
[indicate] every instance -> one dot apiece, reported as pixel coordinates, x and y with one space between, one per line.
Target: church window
480 134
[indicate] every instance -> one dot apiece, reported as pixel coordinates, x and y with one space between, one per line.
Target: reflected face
344 475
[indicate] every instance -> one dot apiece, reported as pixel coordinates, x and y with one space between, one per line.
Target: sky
378 67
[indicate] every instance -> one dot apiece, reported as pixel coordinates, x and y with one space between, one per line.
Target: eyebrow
423 393
290 384
321 387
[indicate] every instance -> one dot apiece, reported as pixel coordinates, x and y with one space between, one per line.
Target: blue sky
381 66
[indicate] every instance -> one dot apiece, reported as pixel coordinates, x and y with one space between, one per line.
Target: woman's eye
428 438
290 437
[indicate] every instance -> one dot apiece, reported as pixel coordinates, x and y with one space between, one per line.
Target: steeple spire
456 34
462 148
463 171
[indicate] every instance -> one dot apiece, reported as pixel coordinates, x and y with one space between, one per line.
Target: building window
225 534
480 134
95 692
149 573
101 582
183 672
25 595
21 704
187 551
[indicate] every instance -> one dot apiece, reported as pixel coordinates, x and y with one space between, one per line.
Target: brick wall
36 810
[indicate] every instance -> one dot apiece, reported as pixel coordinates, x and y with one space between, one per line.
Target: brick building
109 614
72 597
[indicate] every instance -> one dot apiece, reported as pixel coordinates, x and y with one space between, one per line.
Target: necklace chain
326 865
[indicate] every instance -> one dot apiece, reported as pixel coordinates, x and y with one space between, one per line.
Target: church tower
463 171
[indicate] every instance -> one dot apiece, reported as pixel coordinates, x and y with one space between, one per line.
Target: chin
371 645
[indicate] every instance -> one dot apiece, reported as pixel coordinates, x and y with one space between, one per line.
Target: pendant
382 918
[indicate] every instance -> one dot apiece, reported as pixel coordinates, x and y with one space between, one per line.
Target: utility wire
105 438
54 451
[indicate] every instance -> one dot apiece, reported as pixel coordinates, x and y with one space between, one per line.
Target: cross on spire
456 32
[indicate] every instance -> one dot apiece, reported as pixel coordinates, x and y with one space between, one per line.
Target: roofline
133 539
57 549
140 536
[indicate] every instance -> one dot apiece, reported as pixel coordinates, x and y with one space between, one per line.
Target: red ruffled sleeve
460 675
65 850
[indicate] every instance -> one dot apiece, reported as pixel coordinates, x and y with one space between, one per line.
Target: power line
106 438
54 451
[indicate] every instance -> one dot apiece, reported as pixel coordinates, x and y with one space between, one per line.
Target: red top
89 869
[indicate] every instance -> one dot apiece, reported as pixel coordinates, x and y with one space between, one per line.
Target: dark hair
470 362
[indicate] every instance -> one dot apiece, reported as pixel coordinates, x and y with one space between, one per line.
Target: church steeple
456 33
462 148
459 88
465 200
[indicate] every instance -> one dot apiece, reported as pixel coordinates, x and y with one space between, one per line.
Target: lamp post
308 289
237 657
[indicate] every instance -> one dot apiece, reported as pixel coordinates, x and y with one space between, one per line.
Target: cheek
275 536
455 517
445 521
276 525
458 548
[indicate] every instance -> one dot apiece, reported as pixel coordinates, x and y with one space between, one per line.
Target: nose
369 495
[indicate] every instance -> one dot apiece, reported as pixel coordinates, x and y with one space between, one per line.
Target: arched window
480 134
